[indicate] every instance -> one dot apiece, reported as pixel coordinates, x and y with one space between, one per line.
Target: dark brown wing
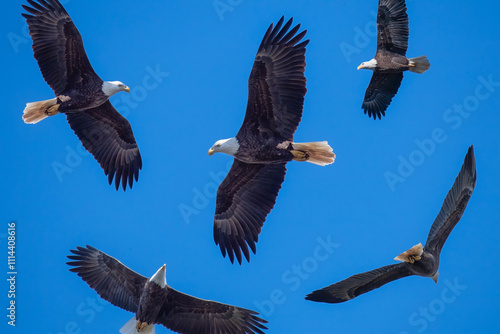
392 26
358 284
108 136
453 206
58 46
186 314
277 86
112 280
244 199
382 88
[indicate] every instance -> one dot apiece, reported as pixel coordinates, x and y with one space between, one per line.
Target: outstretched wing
358 284
382 88
108 136
58 46
454 205
277 85
244 199
392 26
186 314
112 280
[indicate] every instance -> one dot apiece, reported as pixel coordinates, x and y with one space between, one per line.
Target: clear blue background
176 118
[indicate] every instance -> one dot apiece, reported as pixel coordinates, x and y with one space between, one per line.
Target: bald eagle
390 59
264 143
154 302
80 93
418 260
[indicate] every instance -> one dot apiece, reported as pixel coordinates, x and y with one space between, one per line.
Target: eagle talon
52 110
413 258
299 155
140 326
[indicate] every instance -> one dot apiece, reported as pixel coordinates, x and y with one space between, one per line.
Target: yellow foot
140 326
412 65
413 258
52 110
411 255
299 155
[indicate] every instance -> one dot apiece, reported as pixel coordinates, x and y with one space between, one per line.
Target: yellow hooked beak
360 67
127 89
211 151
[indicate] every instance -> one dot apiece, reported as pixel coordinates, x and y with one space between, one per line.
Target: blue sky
187 65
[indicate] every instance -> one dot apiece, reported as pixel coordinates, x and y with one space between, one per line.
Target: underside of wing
244 199
382 88
277 85
112 280
57 46
107 135
454 204
392 26
186 314
359 284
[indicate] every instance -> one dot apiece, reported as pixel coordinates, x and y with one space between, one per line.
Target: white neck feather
229 146
372 64
159 277
110 88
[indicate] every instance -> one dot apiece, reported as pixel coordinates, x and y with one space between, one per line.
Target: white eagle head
369 65
229 146
110 88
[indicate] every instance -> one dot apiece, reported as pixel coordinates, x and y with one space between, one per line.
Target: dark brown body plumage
428 265
276 90
154 304
392 43
59 51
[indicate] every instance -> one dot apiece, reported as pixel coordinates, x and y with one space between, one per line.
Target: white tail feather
419 64
35 111
319 153
129 328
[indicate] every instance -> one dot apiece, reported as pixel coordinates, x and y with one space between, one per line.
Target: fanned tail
37 111
411 255
130 328
319 153
419 64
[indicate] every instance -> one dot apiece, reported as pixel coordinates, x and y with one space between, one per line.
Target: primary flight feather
80 93
390 59
264 144
418 260
155 302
